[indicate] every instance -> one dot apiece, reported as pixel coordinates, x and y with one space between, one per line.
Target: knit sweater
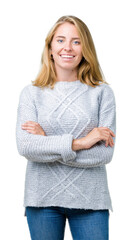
55 174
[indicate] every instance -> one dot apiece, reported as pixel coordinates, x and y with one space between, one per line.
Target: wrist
77 144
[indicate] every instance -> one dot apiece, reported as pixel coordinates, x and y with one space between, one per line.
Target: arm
98 154
39 148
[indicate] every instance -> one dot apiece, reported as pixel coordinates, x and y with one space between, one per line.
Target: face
66 47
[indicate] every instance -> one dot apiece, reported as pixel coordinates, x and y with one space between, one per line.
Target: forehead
66 29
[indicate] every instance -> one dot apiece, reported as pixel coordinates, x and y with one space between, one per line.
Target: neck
66 75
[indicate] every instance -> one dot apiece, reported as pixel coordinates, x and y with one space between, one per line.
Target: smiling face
66 47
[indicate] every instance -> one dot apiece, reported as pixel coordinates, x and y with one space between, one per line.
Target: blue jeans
48 223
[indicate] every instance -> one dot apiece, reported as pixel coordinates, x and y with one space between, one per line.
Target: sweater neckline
68 83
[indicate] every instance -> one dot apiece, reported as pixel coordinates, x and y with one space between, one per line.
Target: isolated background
23 28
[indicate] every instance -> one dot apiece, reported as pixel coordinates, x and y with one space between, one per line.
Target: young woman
66 123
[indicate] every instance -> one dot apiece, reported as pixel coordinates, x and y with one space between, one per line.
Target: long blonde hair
89 70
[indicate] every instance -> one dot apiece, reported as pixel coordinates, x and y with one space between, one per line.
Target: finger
30 131
111 142
33 132
112 133
106 143
108 129
30 123
27 127
27 124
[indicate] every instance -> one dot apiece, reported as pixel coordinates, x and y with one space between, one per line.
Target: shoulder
28 93
29 89
102 91
105 91
106 96
104 87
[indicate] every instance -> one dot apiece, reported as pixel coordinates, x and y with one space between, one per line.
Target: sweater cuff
66 144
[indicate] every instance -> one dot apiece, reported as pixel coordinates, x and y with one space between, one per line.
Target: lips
67 56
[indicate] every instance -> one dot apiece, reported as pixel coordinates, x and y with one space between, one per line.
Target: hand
33 127
98 134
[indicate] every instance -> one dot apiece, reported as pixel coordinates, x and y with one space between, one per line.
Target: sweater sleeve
99 154
39 148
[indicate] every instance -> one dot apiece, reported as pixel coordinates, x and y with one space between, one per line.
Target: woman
66 130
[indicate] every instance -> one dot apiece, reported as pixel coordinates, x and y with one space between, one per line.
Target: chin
69 66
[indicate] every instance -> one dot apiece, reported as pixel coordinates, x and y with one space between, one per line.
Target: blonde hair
89 70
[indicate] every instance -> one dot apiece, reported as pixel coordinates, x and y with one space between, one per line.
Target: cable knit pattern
56 175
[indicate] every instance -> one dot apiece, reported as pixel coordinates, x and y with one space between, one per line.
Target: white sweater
56 175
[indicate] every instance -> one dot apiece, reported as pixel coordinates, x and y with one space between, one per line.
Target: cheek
79 52
80 55
55 48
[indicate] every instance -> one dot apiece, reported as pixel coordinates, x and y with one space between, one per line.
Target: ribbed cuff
66 145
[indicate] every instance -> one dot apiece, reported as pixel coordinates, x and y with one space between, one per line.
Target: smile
67 56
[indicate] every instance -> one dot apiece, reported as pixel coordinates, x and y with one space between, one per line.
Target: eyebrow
64 37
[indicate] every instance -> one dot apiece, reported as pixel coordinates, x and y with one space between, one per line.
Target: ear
50 51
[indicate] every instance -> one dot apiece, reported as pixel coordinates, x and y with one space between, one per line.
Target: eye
76 42
60 40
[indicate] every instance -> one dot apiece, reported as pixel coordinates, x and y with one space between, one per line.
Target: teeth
67 56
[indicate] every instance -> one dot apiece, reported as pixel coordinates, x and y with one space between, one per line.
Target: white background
24 26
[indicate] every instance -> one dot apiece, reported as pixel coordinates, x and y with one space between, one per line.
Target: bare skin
33 127
96 135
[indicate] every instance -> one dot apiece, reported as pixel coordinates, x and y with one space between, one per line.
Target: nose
68 46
